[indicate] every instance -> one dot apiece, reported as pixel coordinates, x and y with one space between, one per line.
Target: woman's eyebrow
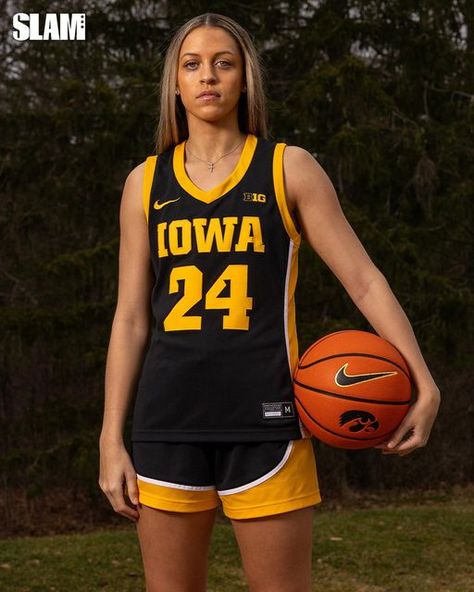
189 53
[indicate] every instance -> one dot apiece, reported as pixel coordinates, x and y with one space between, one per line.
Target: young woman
210 230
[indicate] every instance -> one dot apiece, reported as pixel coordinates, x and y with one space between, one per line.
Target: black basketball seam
335 433
331 394
320 340
356 355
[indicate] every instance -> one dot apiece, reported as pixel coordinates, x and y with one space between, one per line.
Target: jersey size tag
278 410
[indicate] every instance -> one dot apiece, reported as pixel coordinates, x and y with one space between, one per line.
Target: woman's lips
208 96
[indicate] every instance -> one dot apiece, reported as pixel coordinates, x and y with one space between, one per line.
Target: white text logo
56 27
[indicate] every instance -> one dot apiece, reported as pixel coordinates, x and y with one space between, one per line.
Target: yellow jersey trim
228 184
150 165
279 184
292 333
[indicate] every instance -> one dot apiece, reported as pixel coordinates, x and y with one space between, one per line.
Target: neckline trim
219 190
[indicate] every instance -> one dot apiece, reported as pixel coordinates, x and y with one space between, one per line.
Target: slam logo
54 27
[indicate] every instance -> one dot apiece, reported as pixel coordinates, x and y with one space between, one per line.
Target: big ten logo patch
258 197
49 27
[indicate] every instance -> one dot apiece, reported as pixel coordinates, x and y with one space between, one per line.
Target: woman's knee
174 549
276 551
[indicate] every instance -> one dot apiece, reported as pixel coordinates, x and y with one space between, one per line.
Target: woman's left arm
313 203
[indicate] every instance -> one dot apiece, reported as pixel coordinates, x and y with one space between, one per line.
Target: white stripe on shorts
176 485
260 479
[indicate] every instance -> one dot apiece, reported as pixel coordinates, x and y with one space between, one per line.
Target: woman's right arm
128 340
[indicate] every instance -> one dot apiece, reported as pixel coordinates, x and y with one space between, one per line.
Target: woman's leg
276 551
272 516
174 548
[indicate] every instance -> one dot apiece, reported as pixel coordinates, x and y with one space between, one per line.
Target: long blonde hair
252 110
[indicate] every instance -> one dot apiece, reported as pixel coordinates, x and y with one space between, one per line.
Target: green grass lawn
424 545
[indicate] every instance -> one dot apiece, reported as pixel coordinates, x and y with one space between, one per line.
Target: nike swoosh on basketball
158 206
343 379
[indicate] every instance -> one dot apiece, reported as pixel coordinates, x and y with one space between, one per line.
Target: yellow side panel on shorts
294 487
176 500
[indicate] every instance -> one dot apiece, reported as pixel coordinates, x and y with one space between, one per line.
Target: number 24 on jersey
236 304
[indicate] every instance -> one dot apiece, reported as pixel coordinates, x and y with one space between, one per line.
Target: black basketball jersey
223 347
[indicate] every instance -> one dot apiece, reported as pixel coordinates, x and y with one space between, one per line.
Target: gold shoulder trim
150 165
279 184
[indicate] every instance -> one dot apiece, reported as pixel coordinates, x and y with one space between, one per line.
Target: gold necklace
211 164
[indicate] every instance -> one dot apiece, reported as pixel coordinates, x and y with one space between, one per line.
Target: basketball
352 389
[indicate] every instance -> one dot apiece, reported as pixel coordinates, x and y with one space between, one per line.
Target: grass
385 545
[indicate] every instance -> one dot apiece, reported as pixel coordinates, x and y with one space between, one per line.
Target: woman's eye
193 65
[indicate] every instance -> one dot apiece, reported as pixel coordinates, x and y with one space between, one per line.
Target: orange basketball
352 389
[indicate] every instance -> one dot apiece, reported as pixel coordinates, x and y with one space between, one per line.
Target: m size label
50 27
278 410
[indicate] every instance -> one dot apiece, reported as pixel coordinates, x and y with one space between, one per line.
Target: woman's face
210 62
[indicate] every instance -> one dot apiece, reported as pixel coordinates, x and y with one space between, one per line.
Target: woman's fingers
404 442
131 487
414 430
116 497
118 480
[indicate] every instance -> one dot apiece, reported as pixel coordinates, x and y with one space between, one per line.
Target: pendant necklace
212 164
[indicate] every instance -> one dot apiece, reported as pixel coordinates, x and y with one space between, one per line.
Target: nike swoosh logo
158 206
343 379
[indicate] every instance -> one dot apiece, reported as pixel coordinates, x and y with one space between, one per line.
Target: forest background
380 92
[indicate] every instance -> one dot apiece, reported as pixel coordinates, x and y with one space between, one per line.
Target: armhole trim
279 184
150 165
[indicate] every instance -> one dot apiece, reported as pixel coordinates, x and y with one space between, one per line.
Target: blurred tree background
380 92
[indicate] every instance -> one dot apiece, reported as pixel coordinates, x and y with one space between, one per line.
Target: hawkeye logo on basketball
258 197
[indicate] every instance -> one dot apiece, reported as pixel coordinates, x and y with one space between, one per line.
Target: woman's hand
118 478
416 426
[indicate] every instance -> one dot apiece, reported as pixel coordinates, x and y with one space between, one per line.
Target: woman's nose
207 74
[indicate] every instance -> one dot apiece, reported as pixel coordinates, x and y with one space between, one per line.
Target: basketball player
210 230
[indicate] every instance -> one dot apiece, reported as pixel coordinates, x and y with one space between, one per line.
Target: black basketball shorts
250 479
